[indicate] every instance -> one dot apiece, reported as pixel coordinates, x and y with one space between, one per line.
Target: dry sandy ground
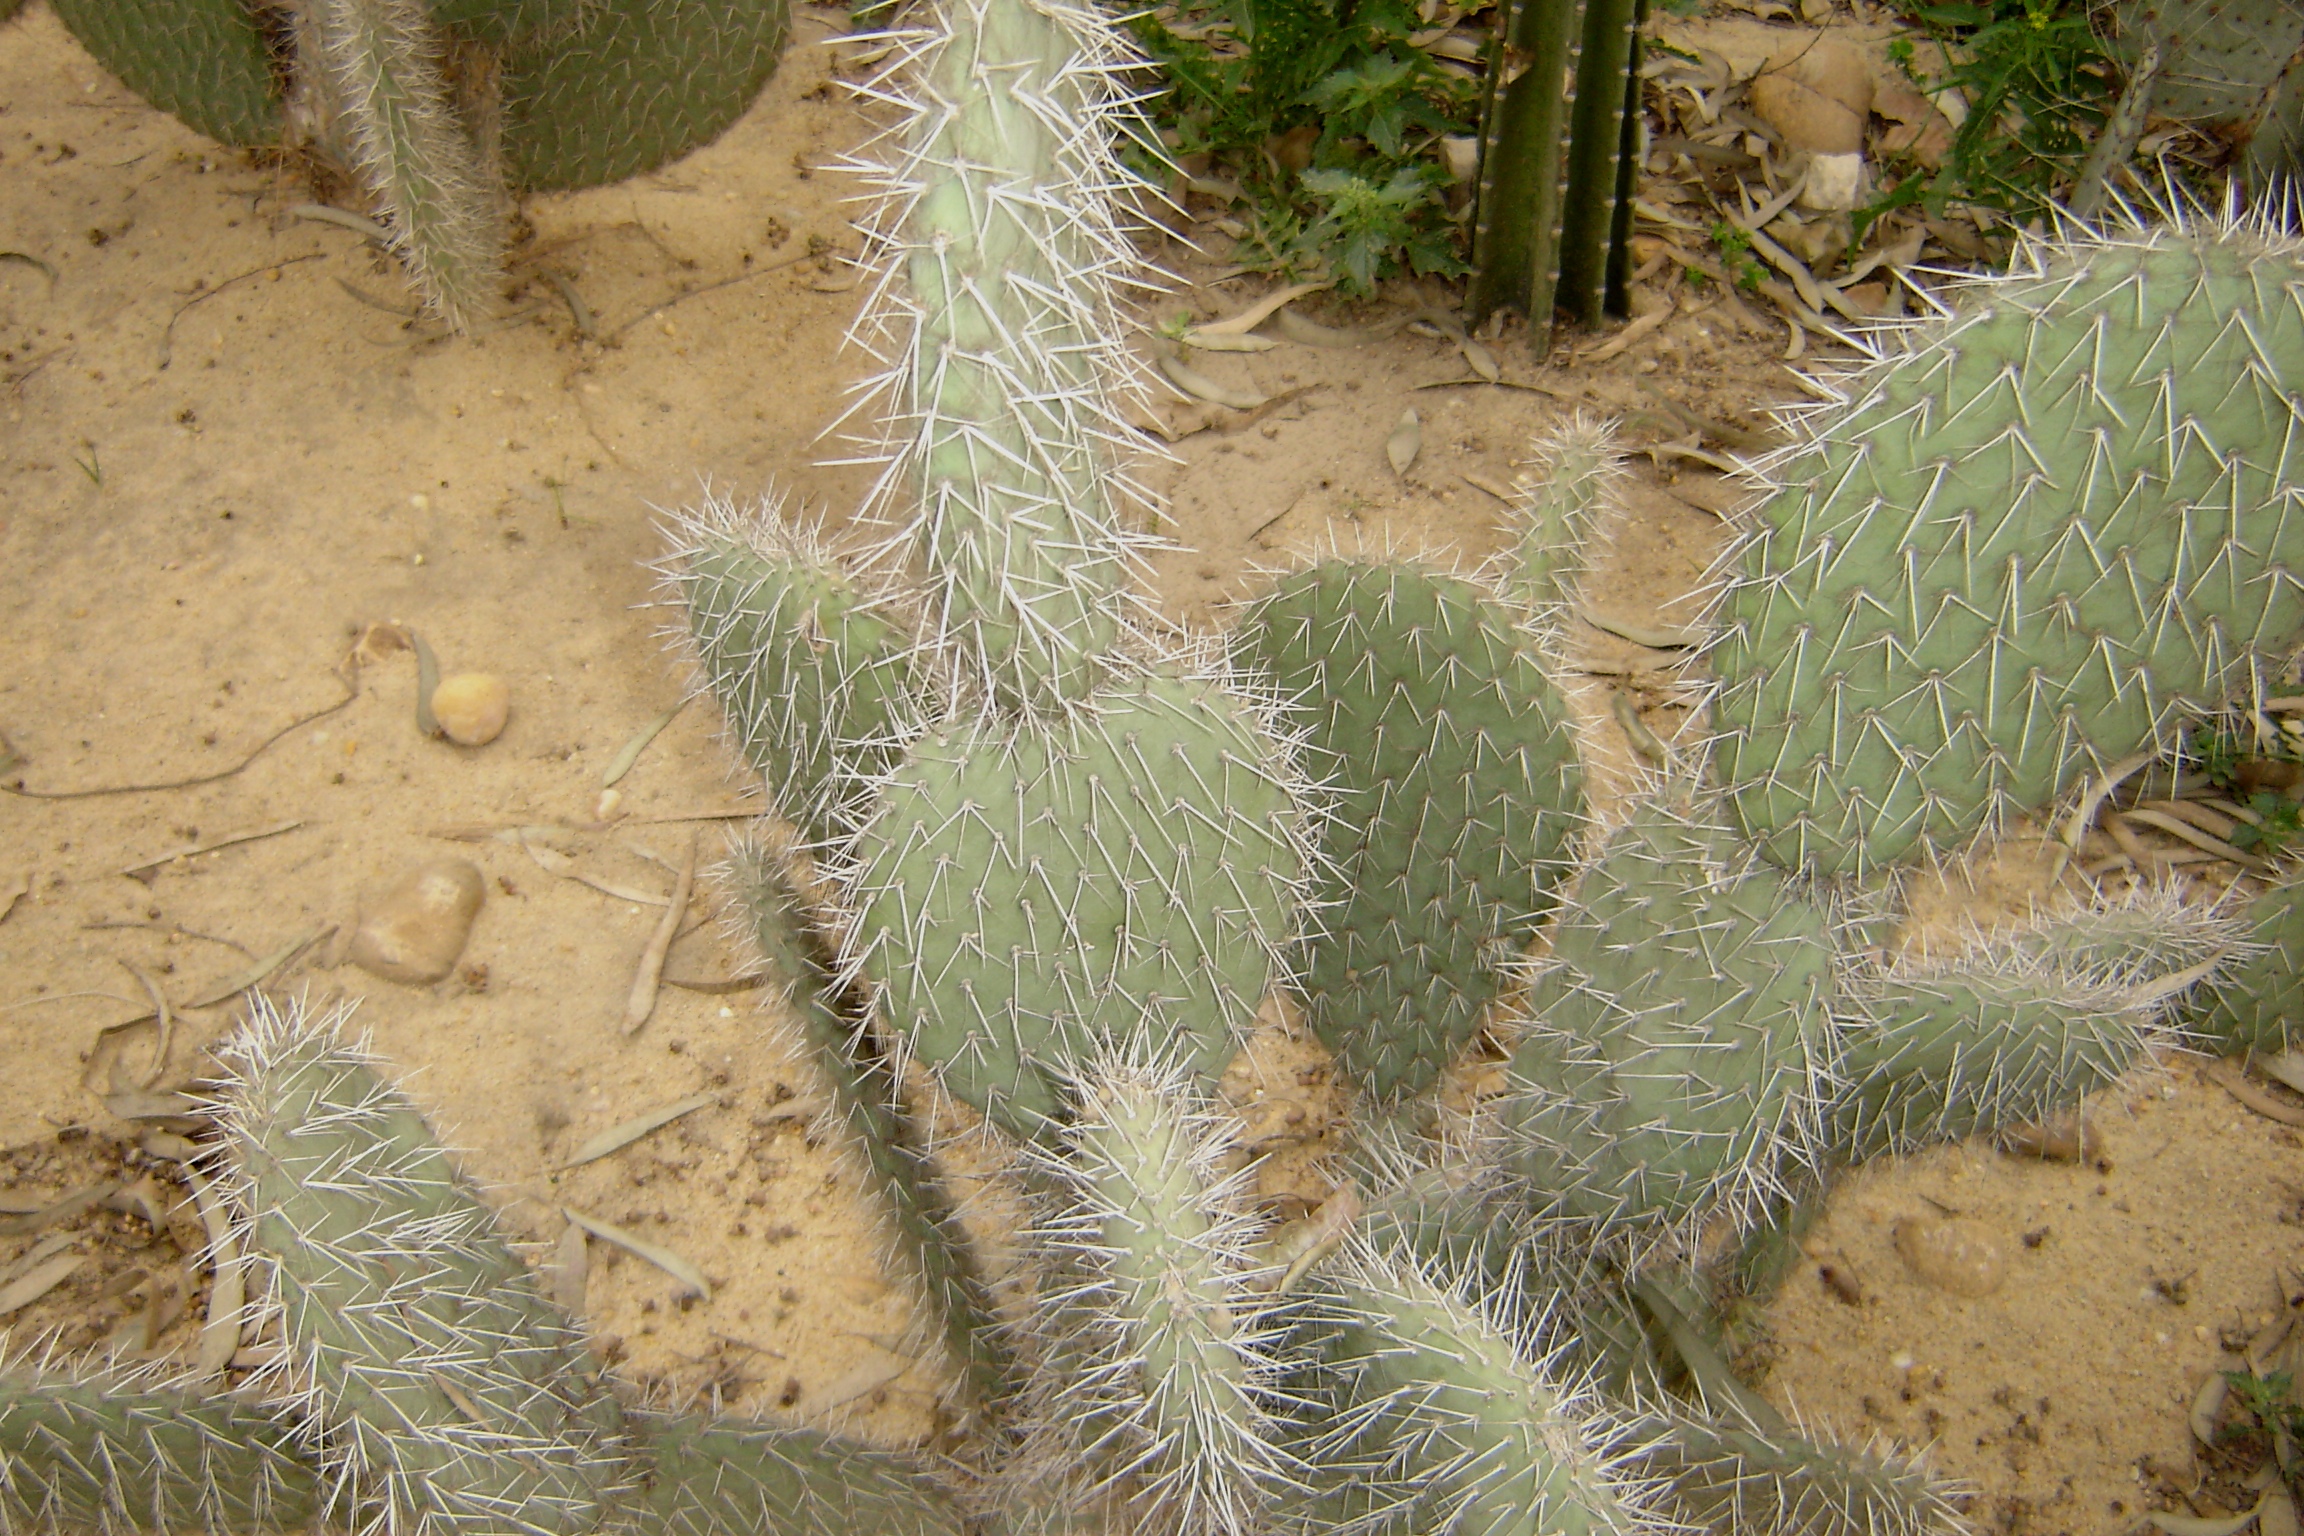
220 460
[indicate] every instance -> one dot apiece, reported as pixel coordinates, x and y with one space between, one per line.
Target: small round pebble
472 707
415 930
1951 1255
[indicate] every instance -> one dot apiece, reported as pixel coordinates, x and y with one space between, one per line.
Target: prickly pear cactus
1159 1366
817 681
1457 787
1669 1069
204 61
1001 238
1028 890
630 85
2258 1004
1568 493
440 1379
115 1450
2027 540
1434 1414
716 1476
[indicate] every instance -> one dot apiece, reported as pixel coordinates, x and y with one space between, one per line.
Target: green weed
1250 80
2038 82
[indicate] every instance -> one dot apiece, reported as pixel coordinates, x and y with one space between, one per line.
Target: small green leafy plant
1735 247
2038 83
1250 81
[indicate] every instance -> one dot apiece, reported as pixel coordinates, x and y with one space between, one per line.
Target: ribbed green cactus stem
127 1451
712 1477
1432 1415
1000 247
430 1372
1567 496
787 921
413 157
1737 1465
2022 541
1028 889
1943 1050
1670 1065
813 672
1525 128
1160 1359
1429 709
1596 150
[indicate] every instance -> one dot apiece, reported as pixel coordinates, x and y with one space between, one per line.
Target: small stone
416 929
472 707
1951 1255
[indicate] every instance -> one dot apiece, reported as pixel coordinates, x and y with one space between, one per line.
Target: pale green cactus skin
2258 1005
1449 752
113 1452
817 681
403 1311
1007 366
2039 536
1029 890
1157 1363
1669 1071
1435 1417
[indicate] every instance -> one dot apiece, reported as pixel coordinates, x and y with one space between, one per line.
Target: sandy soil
222 459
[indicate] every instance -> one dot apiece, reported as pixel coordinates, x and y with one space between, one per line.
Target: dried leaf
1406 441
1225 341
22 1293
621 763
639 1247
1200 387
633 1129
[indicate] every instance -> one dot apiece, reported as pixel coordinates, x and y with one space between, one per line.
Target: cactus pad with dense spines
204 61
1456 777
1434 1415
1947 1050
111 1452
1158 1360
439 1379
1028 889
713 1477
1007 363
815 679
2036 536
2258 1005
1671 1065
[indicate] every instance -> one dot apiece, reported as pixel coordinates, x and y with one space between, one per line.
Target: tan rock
416 928
1816 96
472 707
1950 1254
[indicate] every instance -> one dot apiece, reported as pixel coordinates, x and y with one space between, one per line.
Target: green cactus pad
1031 889
816 681
204 61
1159 1356
2258 1005
2039 536
925 1240
717 1477
1457 781
1007 364
1669 1069
635 84
443 1383
1434 1417
1965 1048
1566 489
111 1452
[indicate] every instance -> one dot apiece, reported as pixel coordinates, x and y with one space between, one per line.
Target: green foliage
2270 1400
1372 202
1734 242
2039 84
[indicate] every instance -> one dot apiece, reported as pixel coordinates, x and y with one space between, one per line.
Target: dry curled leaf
1406 441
